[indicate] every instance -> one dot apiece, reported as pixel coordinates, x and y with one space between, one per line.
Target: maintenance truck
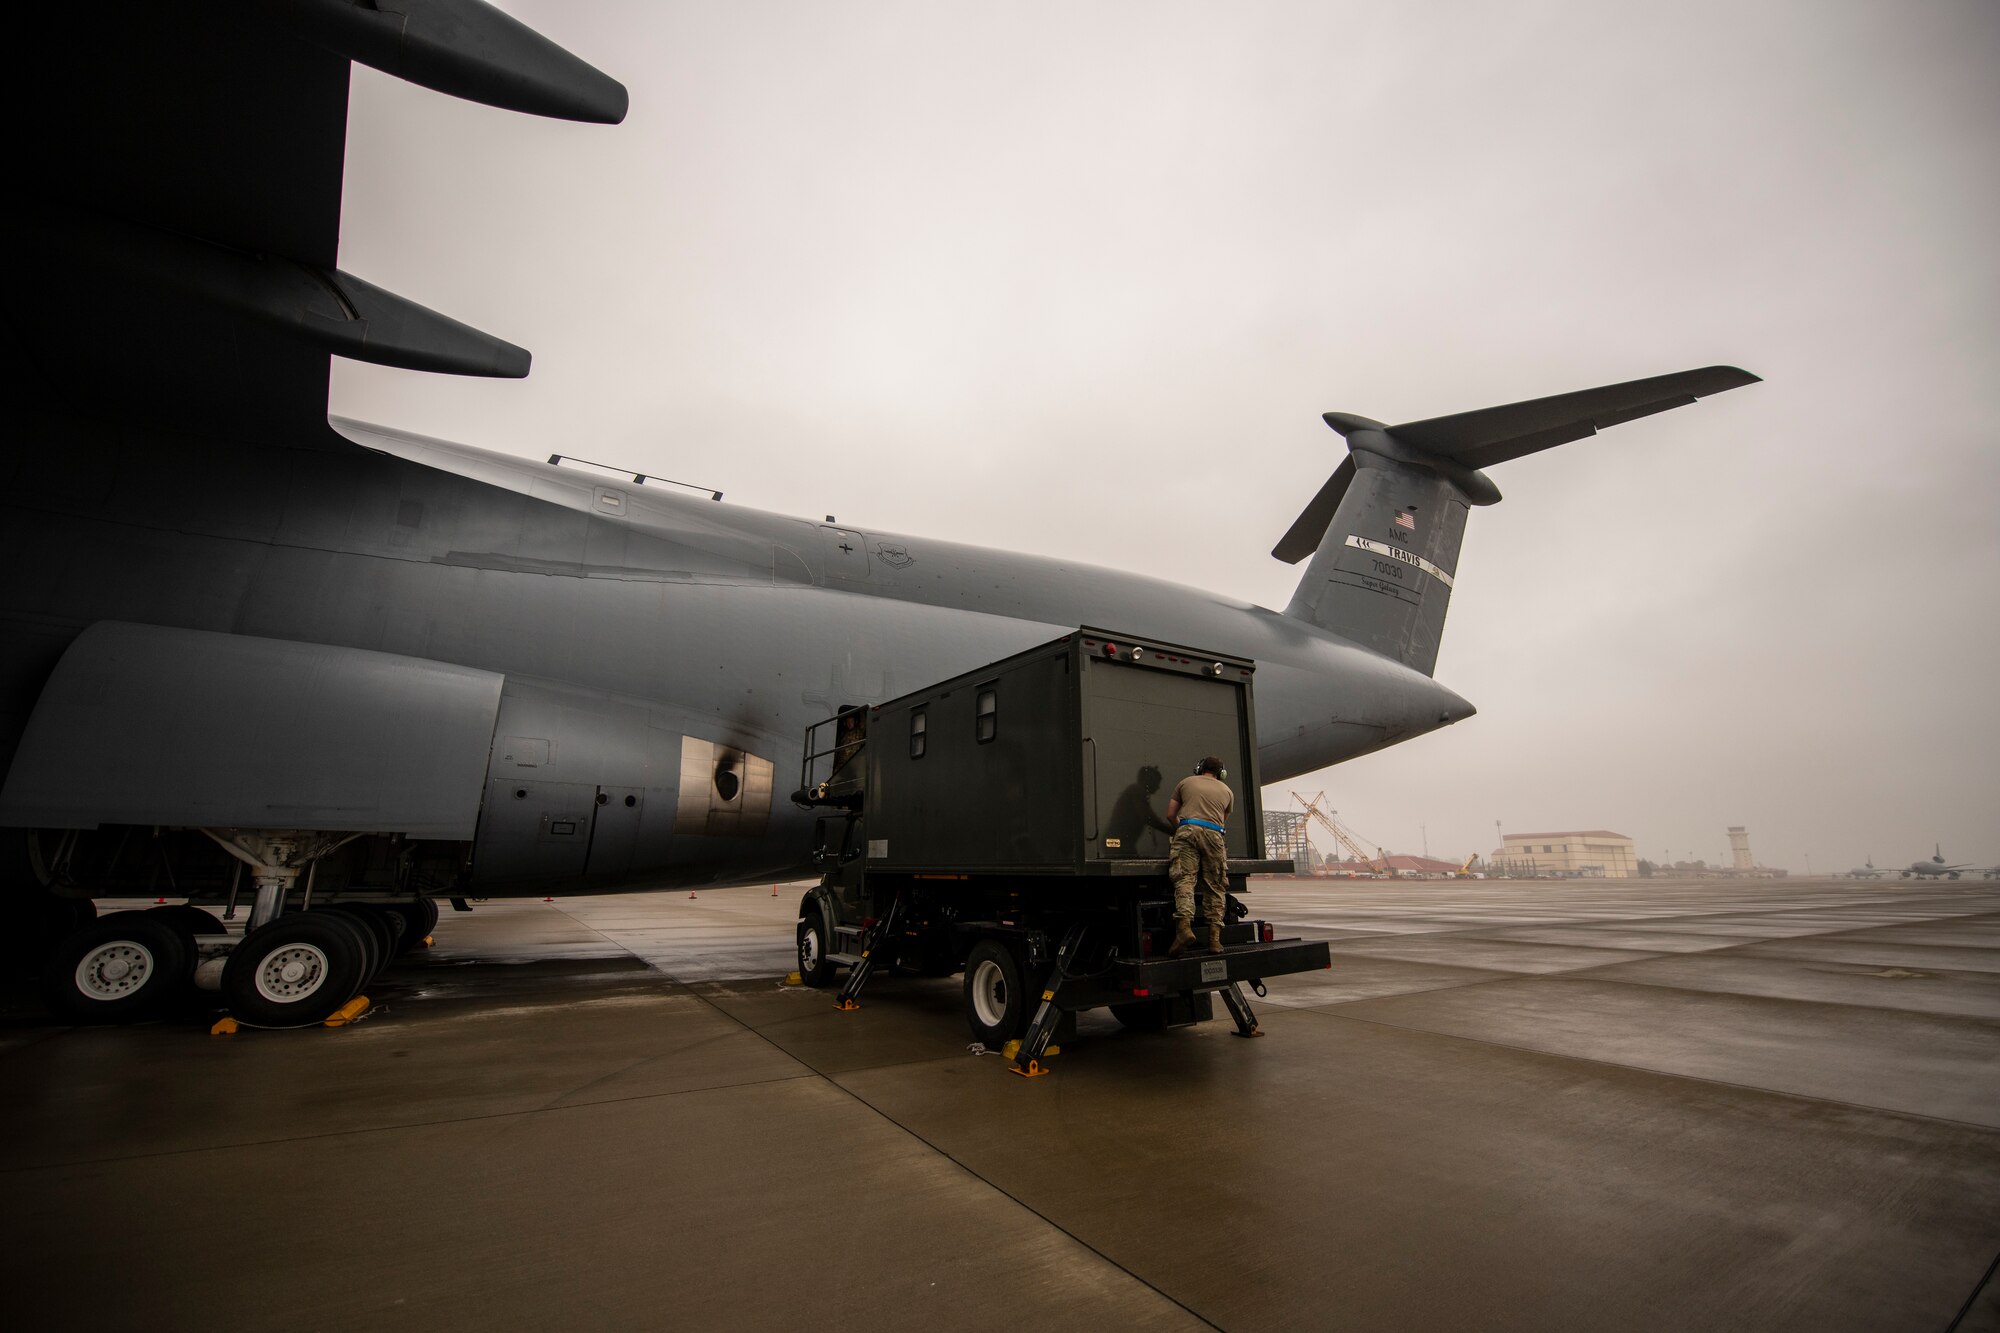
1010 824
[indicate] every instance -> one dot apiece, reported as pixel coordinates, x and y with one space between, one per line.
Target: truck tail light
1264 932
1141 992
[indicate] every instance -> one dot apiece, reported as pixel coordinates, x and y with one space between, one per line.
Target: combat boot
1214 937
1183 937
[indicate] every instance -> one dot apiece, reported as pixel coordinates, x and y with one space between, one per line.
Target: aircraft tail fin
1384 531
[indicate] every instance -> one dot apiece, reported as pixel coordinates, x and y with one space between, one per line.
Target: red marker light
1111 650
1142 992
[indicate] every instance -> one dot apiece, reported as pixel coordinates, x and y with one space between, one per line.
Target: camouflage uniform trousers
1198 853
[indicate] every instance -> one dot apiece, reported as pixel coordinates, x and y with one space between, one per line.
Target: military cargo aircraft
1866 870
253 653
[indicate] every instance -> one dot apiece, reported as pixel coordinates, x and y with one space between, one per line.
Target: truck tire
996 994
118 969
814 945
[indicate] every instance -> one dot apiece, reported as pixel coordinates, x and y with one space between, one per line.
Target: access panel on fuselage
580 791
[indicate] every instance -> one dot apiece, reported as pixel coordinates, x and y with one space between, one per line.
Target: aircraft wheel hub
113 970
292 973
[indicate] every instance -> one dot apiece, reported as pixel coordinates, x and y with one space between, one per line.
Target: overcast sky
1065 277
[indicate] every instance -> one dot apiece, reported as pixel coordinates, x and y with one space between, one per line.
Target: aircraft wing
179 233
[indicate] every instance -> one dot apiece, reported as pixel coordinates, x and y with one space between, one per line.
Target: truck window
917 733
986 716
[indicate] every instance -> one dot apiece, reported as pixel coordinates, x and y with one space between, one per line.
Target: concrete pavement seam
991 1184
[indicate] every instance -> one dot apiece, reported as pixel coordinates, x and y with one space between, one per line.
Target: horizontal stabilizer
1302 538
1457 447
463 48
1497 434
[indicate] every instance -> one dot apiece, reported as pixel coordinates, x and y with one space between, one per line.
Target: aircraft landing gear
297 970
420 920
123 968
378 938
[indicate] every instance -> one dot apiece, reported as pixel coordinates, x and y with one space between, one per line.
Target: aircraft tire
1142 1015
375 935
996 994
815 941
394 922
297 970
37 921
119 969
420 919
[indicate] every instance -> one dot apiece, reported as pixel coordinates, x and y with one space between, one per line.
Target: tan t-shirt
1204 797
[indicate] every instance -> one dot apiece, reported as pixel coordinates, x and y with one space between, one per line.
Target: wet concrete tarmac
1648 1105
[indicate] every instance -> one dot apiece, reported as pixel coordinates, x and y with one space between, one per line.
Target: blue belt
1203 823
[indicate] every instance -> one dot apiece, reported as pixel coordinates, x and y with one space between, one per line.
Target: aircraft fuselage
713 623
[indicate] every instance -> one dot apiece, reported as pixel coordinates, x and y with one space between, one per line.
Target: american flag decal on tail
1405 519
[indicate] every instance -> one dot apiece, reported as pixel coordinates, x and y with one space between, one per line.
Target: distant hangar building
1589 853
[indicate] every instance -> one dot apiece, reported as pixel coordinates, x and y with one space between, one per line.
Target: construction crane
1378 863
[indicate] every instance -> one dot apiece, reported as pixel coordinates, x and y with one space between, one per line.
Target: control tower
1739 847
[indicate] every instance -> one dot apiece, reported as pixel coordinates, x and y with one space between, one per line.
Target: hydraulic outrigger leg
1028 1061
1239 1009
857 976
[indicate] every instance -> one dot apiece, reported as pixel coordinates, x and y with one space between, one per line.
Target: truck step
843 959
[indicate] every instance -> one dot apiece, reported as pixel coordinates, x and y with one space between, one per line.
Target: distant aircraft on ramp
1935 868
247 650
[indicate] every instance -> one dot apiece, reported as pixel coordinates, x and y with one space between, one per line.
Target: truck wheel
127 966
996 994
814 969
296 970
